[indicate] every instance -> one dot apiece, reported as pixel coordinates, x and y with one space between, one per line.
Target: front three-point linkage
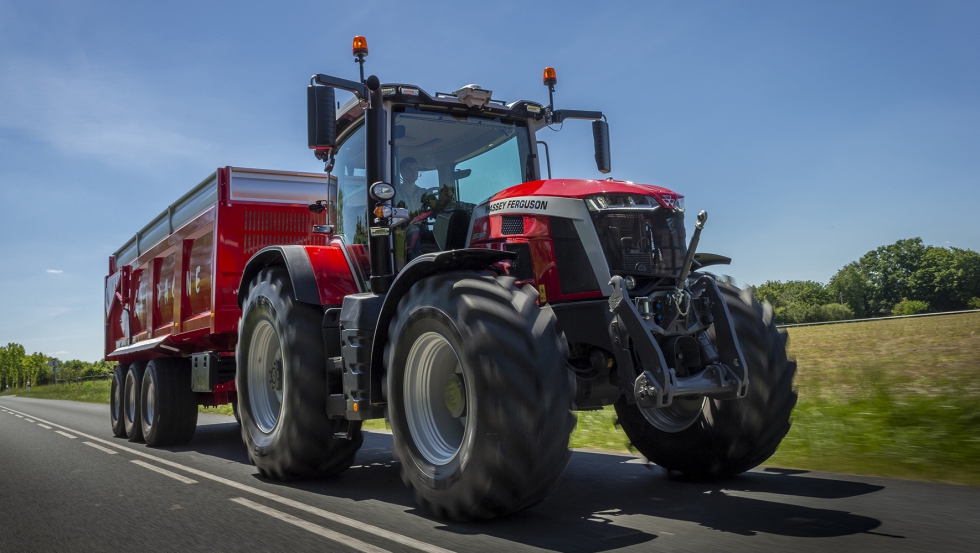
654 384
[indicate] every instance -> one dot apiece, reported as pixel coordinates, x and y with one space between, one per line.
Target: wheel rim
265 377
435 398
678 416
117 392
149 404
131 395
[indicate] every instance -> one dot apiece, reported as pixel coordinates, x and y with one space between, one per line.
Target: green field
894 397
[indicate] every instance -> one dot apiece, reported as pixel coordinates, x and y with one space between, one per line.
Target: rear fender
469 259
320 275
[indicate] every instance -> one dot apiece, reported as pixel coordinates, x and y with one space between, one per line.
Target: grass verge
91 391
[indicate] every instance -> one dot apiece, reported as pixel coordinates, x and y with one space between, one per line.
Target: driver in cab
409 194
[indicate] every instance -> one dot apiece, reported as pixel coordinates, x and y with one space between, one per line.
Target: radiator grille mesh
512 225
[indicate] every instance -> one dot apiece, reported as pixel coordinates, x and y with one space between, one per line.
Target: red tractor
436 278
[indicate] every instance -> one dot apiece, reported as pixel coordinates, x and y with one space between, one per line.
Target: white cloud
55 271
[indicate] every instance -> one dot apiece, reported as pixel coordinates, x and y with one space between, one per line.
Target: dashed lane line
97 446
310 527
28 420
65 434
322 513
165 472
44 426
19 417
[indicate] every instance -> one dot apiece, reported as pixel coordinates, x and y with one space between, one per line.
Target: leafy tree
947 278
889 271
12 366
803 292
852 287
910 307
974 303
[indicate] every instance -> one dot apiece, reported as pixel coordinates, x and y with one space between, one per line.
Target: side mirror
600 134
321 119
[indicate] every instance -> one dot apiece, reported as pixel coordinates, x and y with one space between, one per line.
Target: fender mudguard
297 263
468 259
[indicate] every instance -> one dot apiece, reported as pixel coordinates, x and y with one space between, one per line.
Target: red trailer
172 289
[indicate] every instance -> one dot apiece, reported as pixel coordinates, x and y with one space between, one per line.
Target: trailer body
172 288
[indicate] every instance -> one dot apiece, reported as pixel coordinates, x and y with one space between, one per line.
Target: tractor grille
512 225
521 268
642 242
575 273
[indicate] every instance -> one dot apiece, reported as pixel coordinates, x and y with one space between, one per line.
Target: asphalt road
67 485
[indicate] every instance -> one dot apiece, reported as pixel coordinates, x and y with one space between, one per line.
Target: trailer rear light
360 46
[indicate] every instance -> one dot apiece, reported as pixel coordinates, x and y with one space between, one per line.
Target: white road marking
65 434
28 420
334 517
19 417
165 472
100 448
44 426
310 527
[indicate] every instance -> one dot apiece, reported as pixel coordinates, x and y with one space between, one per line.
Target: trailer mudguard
297 262
468 259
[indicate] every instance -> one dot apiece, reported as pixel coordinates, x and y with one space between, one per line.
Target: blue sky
811 132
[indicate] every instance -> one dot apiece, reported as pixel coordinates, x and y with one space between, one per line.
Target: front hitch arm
655 386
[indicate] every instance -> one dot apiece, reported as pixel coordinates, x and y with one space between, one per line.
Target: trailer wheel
116 390
131 401
282 385
733 436
479 395
168 406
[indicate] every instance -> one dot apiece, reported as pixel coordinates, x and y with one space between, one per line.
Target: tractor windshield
467 158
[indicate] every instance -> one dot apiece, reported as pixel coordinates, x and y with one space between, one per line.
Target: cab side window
350 168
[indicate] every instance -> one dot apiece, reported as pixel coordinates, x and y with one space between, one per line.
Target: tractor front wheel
708 438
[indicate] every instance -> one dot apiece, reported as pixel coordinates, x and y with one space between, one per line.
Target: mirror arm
358 89
562 114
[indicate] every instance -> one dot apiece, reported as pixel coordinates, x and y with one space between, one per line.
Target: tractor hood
581 188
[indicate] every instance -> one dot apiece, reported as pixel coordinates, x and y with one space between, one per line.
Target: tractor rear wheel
479 395
729 437
282 385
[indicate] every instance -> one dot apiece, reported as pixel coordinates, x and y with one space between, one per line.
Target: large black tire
168 406
504 448
733 436
284 420
131 401
116 418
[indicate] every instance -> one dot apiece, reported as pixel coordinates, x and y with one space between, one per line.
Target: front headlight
679 206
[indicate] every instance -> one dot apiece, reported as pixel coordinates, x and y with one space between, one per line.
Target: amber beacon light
360 47
550 78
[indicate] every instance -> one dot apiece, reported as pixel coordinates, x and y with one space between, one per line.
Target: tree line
17 368
904 278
